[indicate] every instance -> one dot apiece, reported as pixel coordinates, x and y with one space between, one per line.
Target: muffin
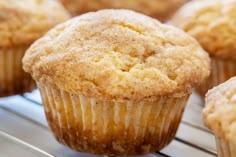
159 9
220 116
21 23
212 23
115 82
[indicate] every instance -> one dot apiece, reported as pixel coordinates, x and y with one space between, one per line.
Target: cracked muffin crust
118 54
219 116
220 111
162 10
21 23
212 23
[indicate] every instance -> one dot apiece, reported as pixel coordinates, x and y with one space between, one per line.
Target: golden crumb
23 21
118 54
220 112
212 23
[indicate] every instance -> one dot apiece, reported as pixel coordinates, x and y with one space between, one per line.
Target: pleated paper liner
225 148
13 80
109 127
221 71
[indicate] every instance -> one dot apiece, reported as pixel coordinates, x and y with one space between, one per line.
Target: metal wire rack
24 132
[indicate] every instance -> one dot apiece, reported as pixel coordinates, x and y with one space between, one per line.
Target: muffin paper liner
225 148
13 80
221 71
111 127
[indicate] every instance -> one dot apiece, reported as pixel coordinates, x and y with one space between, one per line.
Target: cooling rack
24 132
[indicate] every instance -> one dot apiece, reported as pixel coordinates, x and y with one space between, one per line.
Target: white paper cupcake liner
221 71
111 127
225 148
13 80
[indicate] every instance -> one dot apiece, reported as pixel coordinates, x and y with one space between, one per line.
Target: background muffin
212 23
115 82
220 116
159 9
21 23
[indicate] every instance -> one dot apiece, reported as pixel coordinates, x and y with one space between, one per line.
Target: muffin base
225 148
109 127
13 80
221 71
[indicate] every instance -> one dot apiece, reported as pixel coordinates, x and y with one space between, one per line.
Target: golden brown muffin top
212 23
220 112
23 21
118 54
160 9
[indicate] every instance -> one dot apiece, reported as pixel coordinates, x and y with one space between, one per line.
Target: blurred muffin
21 23
115 82
220 116
159 9
212 23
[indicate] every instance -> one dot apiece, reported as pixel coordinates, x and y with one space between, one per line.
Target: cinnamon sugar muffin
160 9
21 23
212 23
220 116
115 82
